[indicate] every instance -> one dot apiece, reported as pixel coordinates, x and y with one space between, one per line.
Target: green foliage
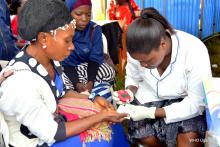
119 82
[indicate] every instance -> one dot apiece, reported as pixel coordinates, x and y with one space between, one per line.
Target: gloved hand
141 112
123 96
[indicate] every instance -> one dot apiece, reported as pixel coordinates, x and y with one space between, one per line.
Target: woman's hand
5 75
138 113
112 116
103 103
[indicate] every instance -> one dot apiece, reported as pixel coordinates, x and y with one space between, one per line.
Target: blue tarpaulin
191 16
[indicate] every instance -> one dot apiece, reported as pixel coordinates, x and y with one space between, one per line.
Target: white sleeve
29 98
192 105
132 73
4 130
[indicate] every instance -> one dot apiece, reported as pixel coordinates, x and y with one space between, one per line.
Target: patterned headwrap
73 4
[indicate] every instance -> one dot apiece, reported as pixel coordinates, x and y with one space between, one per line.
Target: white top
4 130
182 79
33 105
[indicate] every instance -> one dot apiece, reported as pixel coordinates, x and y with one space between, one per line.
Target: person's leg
191 132
105 73
148 132
82 73
151 142
70 76
74 75
68 83
190 139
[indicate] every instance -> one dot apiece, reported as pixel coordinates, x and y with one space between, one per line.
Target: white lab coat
182 79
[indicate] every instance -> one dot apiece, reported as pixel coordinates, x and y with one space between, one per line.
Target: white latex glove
141 112
123 96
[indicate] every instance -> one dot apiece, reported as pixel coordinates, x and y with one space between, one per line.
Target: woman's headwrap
73 4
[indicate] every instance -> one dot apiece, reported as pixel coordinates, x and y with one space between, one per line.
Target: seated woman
85 65
31 89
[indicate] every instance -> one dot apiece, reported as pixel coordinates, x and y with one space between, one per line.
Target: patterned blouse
29 102
57 86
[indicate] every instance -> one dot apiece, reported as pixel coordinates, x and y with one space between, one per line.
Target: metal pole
165 8
201 18
143 2
214 17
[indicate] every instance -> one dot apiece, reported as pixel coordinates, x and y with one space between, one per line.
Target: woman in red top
126 10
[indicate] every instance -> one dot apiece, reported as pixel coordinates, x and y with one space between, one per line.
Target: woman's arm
92 71
96 57
132 88
33 105
132 77
102 102
160 113
76 127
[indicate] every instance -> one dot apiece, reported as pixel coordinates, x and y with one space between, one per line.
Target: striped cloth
103 89
105 73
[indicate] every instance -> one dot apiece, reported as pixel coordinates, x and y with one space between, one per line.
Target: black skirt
166 133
